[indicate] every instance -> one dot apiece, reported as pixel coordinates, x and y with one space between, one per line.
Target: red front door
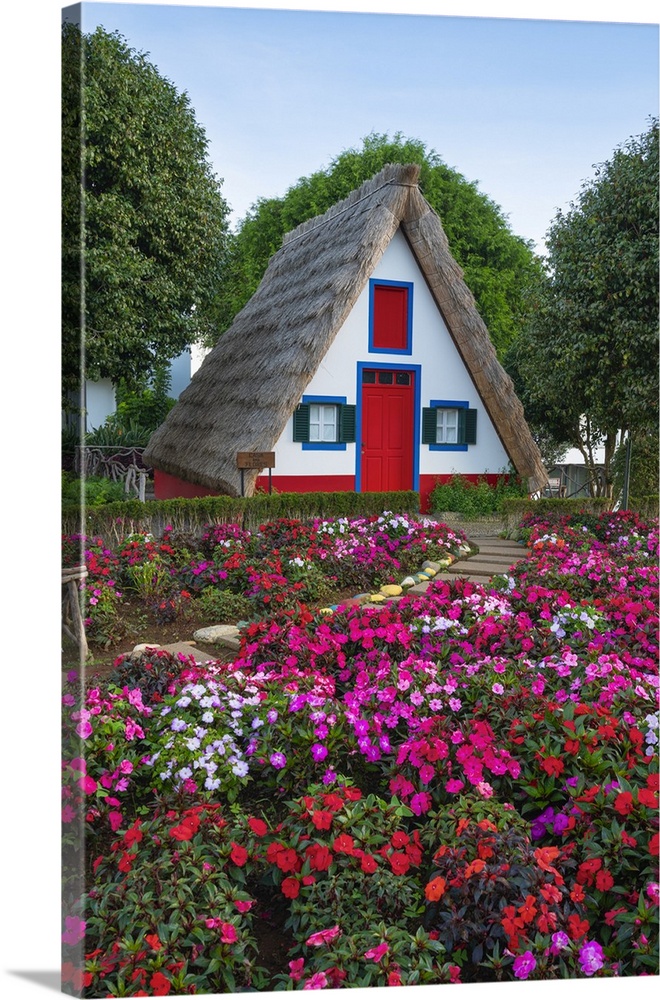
387 430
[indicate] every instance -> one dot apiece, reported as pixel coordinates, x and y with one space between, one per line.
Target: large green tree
586 365
497 264
144 224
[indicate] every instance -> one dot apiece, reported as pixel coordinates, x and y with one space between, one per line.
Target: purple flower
524 965
278 760
591 957
559 941
319 752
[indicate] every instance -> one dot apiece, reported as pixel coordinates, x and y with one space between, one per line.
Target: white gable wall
443 376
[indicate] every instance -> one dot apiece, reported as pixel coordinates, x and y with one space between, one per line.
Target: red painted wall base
168 487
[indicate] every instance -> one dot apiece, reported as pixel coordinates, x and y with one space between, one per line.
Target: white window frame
323 423
447 425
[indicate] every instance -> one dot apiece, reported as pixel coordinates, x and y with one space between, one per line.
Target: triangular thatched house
360 361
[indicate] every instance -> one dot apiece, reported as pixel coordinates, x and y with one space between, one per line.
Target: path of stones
495 556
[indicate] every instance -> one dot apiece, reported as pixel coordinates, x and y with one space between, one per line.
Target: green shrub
191 516
223 606
476 499
99 490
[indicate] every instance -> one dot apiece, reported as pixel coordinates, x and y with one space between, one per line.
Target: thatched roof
248 386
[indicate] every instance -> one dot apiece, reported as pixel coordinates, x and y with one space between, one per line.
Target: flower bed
459 787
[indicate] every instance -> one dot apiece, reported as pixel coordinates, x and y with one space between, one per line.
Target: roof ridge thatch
393 173
248 386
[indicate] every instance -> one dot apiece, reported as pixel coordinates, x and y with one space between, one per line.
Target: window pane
447 426
314 422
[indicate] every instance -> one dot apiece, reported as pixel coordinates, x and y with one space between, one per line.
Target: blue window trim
449 404
417 427
324 445
373 283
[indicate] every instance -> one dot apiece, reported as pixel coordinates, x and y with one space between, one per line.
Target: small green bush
476 499
98 490
223 606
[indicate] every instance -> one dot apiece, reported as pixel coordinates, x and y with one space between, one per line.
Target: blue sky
533 107
523 107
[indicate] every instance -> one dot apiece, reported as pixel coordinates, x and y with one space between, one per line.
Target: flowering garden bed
460 787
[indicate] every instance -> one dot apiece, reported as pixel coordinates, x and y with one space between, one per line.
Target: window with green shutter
449 425
324 423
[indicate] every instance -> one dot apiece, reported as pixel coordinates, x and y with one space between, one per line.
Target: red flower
238 855
400 863
153 941
577 893
320 858
343 844
628 840
399 839
646 797
572 746
475 868
528 910
654 844
553 766
186 829
577 928
291 887
287 860
160 984
550 893
624 803
322 820
435 889
368 864
257 826
604 880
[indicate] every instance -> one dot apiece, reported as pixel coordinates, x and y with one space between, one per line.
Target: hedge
114 521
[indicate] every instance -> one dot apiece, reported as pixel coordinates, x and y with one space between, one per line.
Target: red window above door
390 317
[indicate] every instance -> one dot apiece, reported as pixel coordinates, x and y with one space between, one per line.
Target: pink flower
485 789
243 905
317 982
115 819
296 967
323 937
524 965
421 803
228 933
377 953
88 785
653 892
75 930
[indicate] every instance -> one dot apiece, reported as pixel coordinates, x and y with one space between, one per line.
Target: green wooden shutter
301 423
429 425
347 422
467 426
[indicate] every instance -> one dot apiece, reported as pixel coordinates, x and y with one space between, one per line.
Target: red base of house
168 487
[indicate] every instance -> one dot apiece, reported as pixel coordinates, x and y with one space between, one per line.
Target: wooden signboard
256 460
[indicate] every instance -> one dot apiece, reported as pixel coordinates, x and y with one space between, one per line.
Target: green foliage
644 465
497 264
116 521
475 499
585 366
119 433
153 231
220 605
147 406
98 490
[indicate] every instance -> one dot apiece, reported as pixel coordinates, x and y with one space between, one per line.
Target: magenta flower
296 967
319 752
75 930
559 941
377 953
323 937
591 957
524 965
317 982
278 760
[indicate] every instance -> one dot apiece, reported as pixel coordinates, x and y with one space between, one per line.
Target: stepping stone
216 633
187 648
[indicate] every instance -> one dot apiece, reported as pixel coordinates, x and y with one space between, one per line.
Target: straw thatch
248 386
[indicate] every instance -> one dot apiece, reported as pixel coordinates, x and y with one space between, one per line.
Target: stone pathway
495 557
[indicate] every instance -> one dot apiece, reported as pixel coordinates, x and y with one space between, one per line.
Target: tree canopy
144 224
497 264
586 364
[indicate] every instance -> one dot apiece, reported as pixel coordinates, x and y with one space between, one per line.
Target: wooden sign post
256 460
